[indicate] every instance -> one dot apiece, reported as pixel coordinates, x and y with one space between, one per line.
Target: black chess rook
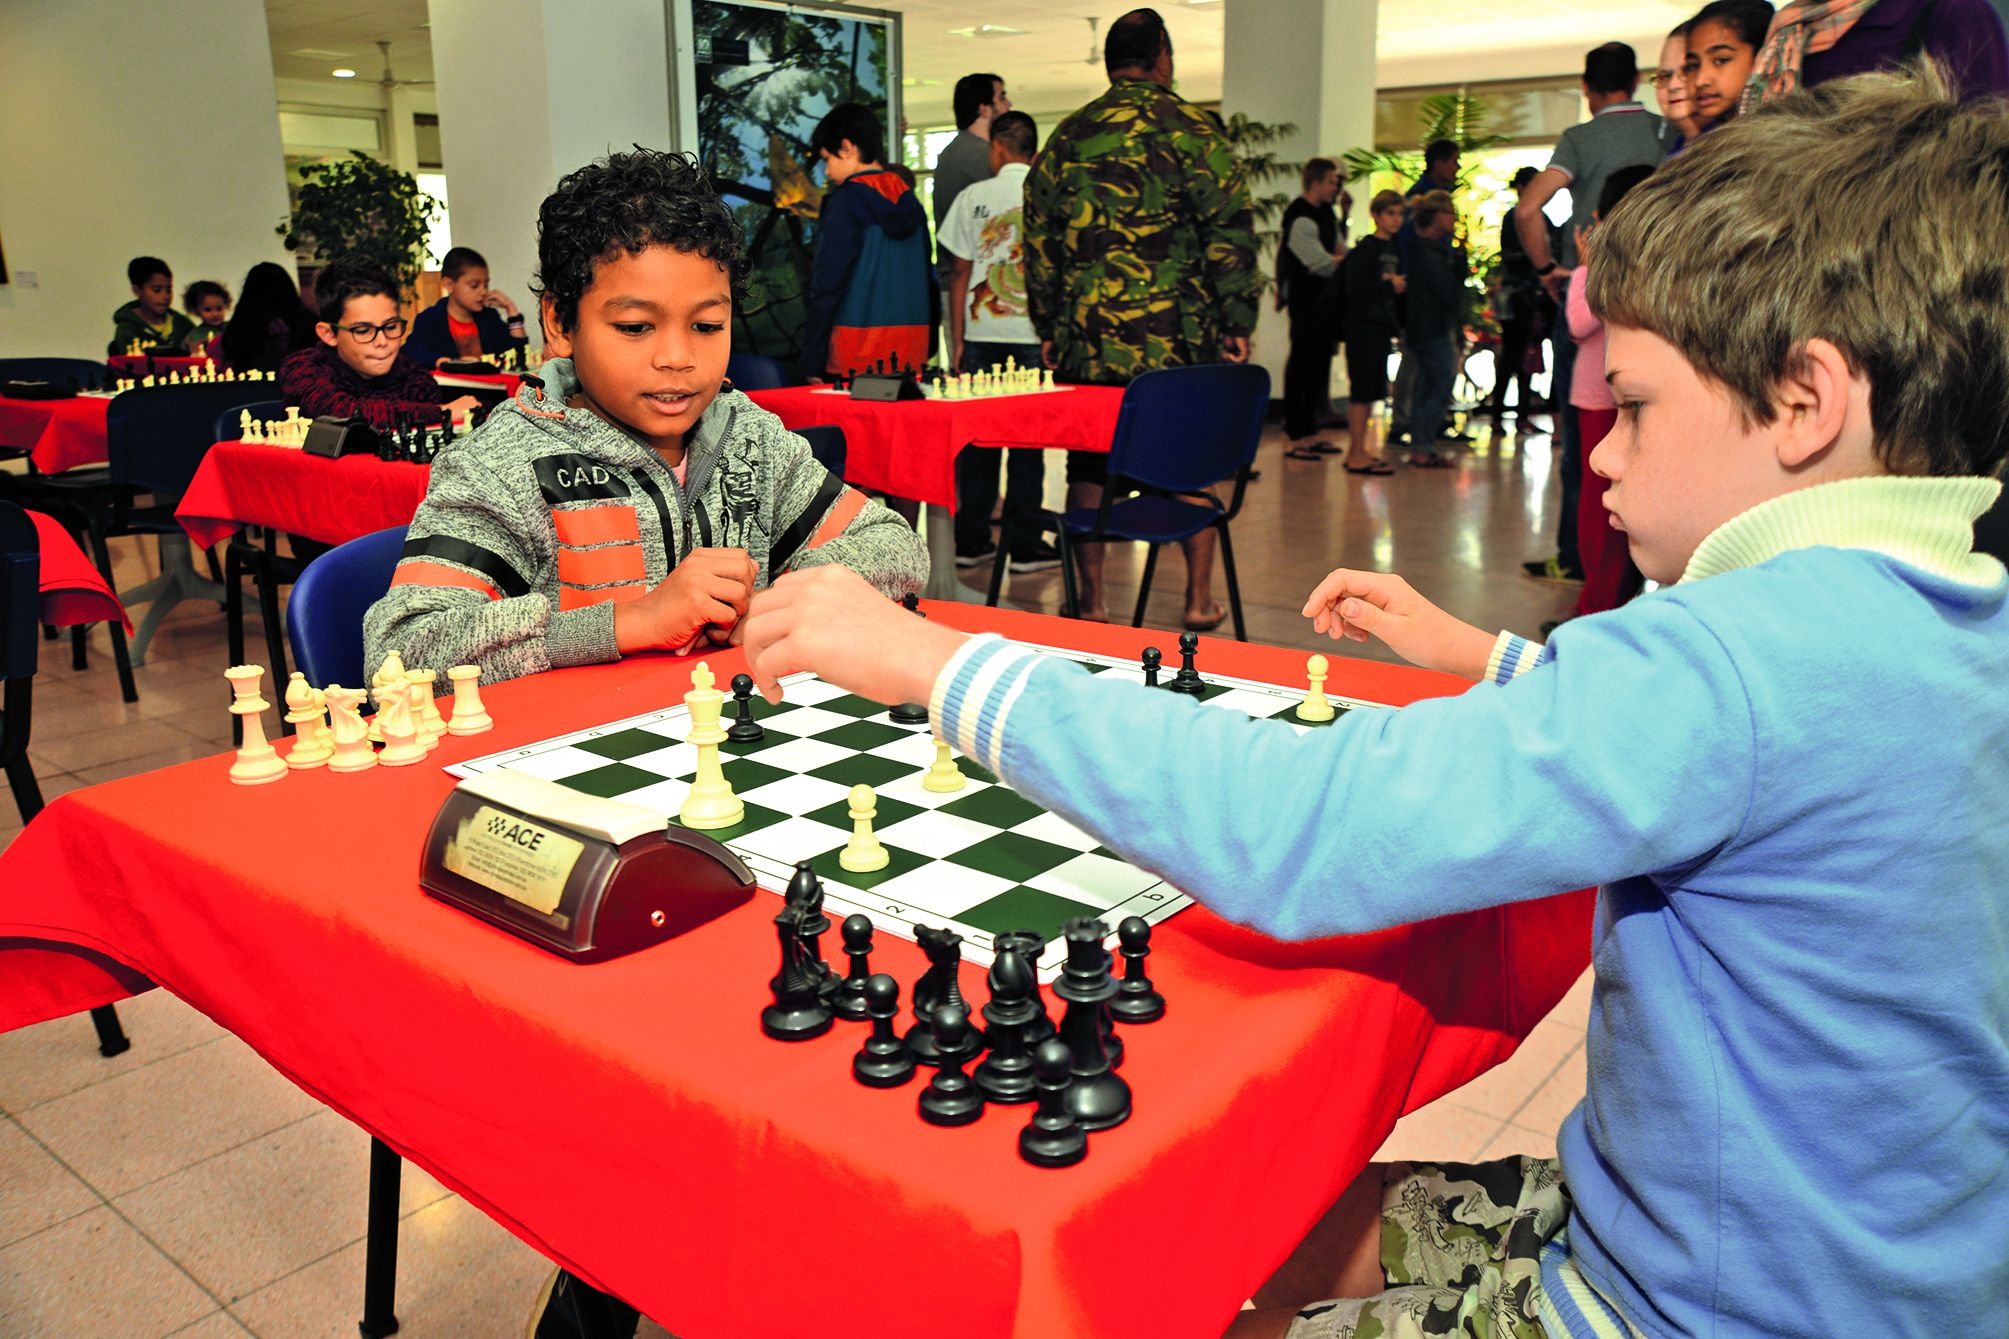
849 1002
1052 1138
884 1060
1097 1097
1137 999
951 1097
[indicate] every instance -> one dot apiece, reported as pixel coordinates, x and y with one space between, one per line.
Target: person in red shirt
355 371
471 320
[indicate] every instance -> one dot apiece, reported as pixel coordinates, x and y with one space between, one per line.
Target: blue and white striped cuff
1512 656
974 694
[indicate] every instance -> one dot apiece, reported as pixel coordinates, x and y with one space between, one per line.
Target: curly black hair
628 202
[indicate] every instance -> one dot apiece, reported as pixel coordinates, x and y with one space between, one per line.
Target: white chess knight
402 745
351 740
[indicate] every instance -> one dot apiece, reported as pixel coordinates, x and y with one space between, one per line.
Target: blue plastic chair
756 372
325 619
20 615
1180 431
80 373
827 444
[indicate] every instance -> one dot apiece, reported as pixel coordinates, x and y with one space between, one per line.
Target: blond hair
1427 207
1870 212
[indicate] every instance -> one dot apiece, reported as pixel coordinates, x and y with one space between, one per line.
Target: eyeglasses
1655 78
370 334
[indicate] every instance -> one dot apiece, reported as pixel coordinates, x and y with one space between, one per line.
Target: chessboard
981 861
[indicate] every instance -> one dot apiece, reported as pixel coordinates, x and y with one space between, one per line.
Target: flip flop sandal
1379 468
1207 624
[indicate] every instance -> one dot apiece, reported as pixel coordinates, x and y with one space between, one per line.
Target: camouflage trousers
1461 1250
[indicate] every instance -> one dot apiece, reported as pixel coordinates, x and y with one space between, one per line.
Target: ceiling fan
390 81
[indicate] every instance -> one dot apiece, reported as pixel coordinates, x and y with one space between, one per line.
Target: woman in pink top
1609 578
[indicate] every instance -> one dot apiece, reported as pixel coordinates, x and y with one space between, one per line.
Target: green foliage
359 206
1254 144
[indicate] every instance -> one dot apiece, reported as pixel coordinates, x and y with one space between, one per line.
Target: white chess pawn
425 712
1315 706
257 761
944 775
351 740
310 749
402 746
1046 378
863 853
470 717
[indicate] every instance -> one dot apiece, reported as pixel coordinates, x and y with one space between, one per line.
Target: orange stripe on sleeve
613 524
419 573
842 512
597 567
571 597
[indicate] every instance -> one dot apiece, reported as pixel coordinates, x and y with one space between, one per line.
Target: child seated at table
150 318
208 303
469 321
623 501
355 371
1785 770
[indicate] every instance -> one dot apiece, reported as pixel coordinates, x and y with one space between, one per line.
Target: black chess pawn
1097 1097
884 1061
909 713
1005 1076
940 985
1153 660
849 1001
798 1011
1188 679
744 729
1052 1138
951 1097
1137 1000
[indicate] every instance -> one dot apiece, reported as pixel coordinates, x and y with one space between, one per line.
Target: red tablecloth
284 488
908 447
139 365
73 591
630 1120
57 434
506 382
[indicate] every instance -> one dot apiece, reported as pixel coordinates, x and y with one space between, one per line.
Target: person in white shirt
983 239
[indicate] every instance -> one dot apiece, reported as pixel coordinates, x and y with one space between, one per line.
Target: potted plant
359 206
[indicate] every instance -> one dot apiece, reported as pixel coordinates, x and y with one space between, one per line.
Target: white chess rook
470 717
257 761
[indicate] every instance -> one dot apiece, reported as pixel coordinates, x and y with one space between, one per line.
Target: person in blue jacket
869 289
1786 771
471 320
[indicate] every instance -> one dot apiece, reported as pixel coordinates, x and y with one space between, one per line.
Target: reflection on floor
186 1188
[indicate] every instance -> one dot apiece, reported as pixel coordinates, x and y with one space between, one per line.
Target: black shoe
1038 557
975 557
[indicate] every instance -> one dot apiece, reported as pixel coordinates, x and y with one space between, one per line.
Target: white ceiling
1054 63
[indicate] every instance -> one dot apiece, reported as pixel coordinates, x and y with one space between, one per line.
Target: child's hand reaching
1359 605
708 589
830 621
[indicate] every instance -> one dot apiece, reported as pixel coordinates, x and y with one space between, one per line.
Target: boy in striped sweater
1784 771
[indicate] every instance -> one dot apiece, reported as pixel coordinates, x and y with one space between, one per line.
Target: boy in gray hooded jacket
625 500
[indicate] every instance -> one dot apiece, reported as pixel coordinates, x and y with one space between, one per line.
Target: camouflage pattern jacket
536 525
1140 246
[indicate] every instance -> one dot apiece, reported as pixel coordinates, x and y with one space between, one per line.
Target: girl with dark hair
1723 42
270 322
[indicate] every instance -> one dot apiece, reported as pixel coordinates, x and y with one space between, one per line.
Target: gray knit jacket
536 524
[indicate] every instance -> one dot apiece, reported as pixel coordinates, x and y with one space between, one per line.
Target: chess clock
587 878
886 386
336 437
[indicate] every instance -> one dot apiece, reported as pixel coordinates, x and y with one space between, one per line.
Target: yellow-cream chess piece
1315 706
310 747
425 712
257 761
470 717
711 802
392 671
944 775
863 853
402 745
352 751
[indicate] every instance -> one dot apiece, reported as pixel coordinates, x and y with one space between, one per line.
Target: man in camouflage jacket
1140 253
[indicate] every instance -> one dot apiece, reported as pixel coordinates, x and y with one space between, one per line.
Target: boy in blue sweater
1785 771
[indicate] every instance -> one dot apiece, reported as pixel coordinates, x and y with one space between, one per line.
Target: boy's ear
326 332
1821 400
557 339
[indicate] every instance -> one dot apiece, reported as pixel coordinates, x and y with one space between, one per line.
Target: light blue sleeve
1626 749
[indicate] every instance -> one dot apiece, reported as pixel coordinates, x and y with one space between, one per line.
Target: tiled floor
185 1188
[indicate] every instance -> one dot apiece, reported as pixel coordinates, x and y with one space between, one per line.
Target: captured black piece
1137 999
849 1001
1052 1138
951 1098
884 1060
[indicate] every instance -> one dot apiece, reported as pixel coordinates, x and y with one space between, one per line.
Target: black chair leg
380 1247
1234 586
1070 597
1144 585
112 1038
215 572
80 646
233 620
121 657
27 795
267 579
1006 535
49 633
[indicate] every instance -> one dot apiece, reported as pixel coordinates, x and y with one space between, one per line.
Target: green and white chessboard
981 861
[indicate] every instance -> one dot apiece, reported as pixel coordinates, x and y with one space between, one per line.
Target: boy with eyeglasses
355 372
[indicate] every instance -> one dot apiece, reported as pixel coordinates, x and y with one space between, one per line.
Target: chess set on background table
976 858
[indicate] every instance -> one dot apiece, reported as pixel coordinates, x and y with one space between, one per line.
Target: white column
529 90
1309 63
131 130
